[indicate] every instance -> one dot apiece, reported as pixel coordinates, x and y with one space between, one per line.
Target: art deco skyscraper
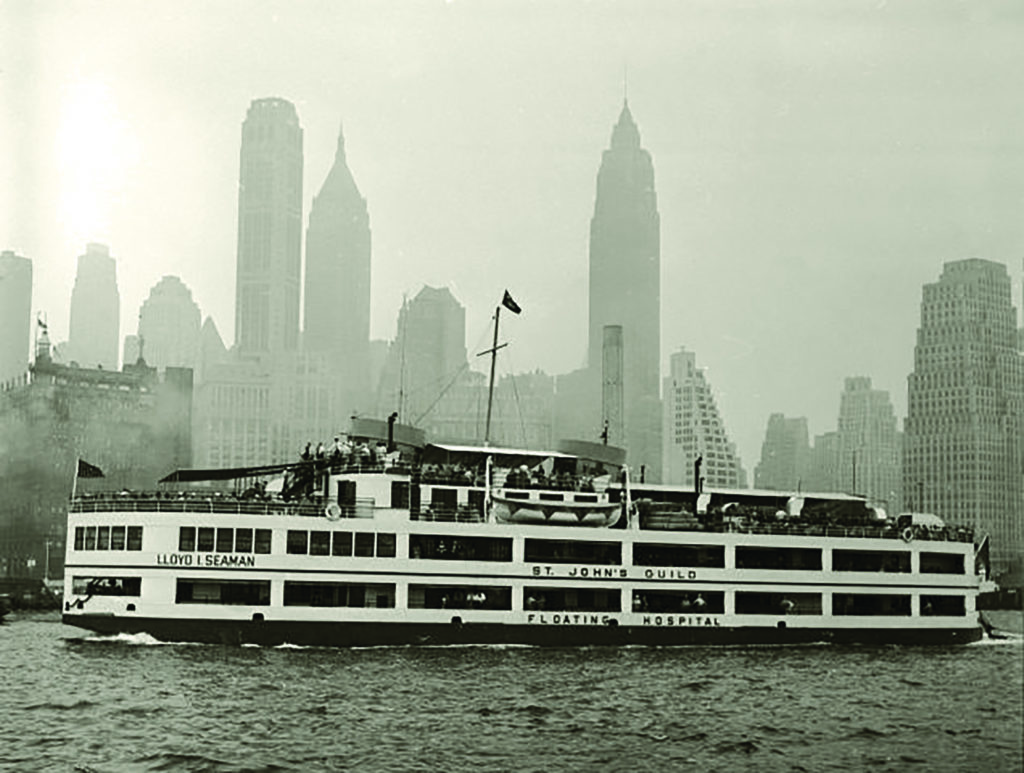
963 457
269 266
95 310
694 428
15 314
870 444
337 297
625 284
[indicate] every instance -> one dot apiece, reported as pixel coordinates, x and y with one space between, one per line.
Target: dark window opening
431 546
205 541
800 559
243 540
298 543
90 537
342 544
750 603
135 538
225 540
870 604
364 544
106 586
649 554
103 538
386 546
263 541
117 537
79 538
573 552
338 594
679 601
572 599
235 592
942 563
870 561
319 543
400 494
187 539
459 597
943 606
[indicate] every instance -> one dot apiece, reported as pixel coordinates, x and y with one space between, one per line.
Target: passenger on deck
787 606
699 603
306 453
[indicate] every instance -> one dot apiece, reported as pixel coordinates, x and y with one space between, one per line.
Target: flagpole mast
490 387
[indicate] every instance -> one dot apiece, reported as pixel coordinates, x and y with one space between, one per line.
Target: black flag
86 470
510 304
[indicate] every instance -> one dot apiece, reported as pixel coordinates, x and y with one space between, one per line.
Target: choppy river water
71 702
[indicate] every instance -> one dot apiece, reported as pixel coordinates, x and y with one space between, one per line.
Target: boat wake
126 639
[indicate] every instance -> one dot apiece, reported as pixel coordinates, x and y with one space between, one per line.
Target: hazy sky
815 162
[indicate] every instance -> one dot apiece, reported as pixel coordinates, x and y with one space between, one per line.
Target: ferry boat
437 544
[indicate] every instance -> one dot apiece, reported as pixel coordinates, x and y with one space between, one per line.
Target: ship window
555 551
319 543
342 543
364 544
339 594
572 599
748 603
90 537
187 539
385 546
400 494
225 540
243 540
205 541
460 548
650 554
870 604
262 542
778 558
870 561
298 542
106 586
103 538
460 597
942 563
240 592
444 501
117 537
943 606
79 537
135 538
685 602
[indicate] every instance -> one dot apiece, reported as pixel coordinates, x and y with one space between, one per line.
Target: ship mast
512 306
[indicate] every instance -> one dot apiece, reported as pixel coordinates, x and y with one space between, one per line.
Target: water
71 702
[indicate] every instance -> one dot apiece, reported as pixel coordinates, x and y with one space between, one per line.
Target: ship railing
362 507
921 533
462 514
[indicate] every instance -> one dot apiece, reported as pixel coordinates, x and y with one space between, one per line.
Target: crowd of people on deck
559 480
344 453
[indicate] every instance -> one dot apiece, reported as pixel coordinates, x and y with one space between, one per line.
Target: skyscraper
169 325
427 357
693 428
625 284
337 285
785 455
94 336
870 444
963 456
269 267
15 314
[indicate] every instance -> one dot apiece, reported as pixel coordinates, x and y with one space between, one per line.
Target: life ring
907 534
332 511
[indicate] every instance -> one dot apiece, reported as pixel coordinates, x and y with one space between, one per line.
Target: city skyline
812 174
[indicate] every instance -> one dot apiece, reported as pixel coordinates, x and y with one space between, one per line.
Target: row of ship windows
600 553
541 598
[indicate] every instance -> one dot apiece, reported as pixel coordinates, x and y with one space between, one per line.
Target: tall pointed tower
269 263
337 297
625 285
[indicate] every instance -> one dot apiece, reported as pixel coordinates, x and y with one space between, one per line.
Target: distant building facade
169 324
694 428
785 455
94 334
15 315
134 425
269 264
870 449
963 456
